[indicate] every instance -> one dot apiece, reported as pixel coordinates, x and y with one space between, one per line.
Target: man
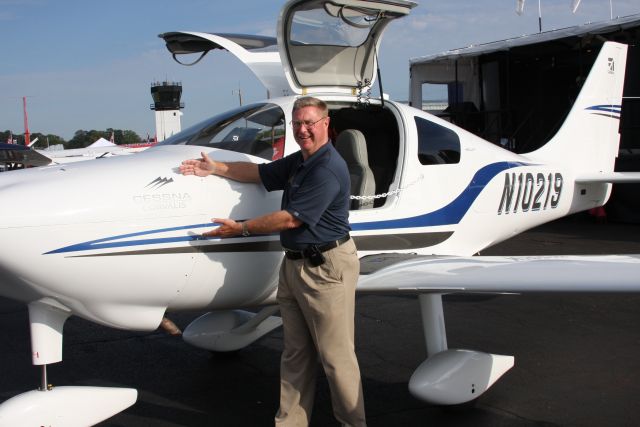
316 289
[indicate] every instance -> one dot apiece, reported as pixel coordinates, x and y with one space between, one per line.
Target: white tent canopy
102 143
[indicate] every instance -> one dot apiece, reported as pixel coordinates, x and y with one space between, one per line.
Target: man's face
310 129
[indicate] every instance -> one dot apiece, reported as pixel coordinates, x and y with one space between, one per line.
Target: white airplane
19 154
89 153
427 196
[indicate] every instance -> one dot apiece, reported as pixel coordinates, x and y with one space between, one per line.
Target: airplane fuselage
123 234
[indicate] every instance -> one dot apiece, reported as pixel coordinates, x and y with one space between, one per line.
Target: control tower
167 105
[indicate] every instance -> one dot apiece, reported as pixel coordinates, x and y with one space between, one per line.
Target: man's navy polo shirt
316 191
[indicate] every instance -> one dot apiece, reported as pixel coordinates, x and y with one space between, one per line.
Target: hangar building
517 92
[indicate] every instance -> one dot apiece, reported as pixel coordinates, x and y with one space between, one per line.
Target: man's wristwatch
245 229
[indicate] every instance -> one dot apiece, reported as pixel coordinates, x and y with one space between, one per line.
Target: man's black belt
322 248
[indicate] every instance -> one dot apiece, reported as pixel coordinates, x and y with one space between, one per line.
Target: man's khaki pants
317 306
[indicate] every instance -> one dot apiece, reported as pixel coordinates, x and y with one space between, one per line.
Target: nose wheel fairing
70 406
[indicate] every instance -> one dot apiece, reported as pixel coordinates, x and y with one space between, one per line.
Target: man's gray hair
310 101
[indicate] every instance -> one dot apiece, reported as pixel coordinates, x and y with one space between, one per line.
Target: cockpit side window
257 129
437 145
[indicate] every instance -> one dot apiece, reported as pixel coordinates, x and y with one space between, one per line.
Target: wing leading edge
611 177
499 274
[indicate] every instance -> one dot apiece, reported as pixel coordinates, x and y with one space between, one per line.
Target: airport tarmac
577 357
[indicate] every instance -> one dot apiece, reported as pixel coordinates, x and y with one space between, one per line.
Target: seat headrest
352 146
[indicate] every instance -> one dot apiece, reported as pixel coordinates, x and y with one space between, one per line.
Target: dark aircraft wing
12 153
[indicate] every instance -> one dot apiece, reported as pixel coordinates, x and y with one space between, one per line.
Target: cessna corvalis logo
159 182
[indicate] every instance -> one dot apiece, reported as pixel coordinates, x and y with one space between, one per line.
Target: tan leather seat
352 147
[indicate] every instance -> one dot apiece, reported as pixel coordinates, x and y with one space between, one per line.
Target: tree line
81 138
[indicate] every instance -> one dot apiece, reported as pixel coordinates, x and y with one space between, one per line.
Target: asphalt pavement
577 357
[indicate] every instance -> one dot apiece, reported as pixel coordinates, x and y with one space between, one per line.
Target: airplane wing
611 177
415 274
12 153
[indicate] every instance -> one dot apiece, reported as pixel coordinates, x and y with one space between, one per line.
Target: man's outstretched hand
199 167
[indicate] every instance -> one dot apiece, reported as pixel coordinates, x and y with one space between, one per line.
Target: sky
89 64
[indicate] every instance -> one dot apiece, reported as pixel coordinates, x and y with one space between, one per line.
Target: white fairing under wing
493 274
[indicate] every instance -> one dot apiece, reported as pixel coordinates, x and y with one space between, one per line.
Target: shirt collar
317 155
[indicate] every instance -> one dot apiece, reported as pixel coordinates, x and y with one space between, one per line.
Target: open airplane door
259 53
331 46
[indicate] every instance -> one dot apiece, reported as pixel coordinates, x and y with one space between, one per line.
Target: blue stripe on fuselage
453 212
450 214
608 110
108 242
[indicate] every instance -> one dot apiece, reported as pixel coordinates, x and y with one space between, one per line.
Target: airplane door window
437 145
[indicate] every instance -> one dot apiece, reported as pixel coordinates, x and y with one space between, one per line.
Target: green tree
4 136
46 140
40 143
123 136
80 139
130 137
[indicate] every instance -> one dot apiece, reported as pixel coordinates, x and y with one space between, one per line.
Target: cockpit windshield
256 129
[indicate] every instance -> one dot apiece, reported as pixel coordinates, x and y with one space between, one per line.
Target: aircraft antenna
539 16
239 91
